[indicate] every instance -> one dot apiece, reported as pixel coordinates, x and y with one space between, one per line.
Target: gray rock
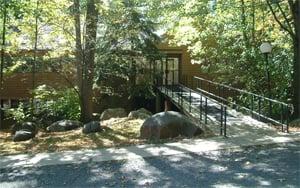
26 126
141 113
113 113
168 124
64 125
23 135
91 127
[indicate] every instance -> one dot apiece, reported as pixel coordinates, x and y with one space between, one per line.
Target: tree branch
285 17
278 21
292 8
66 79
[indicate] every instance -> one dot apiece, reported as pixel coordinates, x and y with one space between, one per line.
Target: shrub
61 104
50 105
143 89
20 114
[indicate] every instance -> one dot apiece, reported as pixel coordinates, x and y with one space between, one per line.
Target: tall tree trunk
2 59
296 75
89 60
79 53
133 69
34 54
294 31
244 22
253 22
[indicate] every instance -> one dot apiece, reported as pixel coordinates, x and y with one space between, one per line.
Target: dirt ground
116 132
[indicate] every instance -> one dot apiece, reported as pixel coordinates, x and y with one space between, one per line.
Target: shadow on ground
260 166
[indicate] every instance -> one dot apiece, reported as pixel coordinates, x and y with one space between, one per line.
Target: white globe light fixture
265 48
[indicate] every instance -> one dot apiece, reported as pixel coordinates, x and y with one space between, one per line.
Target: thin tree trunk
35 53
2 59
244 22
79 53
253 22
132 75
88 77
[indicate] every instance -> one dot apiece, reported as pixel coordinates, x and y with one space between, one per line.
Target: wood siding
19 85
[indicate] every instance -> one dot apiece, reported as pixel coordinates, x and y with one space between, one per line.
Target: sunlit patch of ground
116 132
293 127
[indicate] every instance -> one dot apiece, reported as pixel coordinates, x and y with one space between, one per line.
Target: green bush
143 89
20 114
58 104
50 105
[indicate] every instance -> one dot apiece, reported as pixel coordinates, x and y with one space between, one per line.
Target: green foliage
224 37
62 104
50 105
19 114
221 35
126 43
143 89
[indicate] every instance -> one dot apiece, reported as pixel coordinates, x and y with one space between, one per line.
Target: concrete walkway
141 151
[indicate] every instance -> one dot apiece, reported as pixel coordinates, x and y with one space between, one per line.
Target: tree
36 31
127 43
292 26
9 9
2 56
79 51
224 37
85 61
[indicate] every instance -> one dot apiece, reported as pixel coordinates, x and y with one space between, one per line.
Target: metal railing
203 108
180 94
260 107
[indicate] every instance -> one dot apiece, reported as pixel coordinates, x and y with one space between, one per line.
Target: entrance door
169 69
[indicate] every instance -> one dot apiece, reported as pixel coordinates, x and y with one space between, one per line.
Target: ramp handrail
285 109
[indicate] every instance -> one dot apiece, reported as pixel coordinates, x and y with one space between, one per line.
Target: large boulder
168 124
91 127
141 113
26 126
113 113
64 125
22 135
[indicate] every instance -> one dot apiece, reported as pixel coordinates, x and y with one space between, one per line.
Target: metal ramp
224 116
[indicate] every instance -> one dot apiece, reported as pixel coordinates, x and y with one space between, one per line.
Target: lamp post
266 49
